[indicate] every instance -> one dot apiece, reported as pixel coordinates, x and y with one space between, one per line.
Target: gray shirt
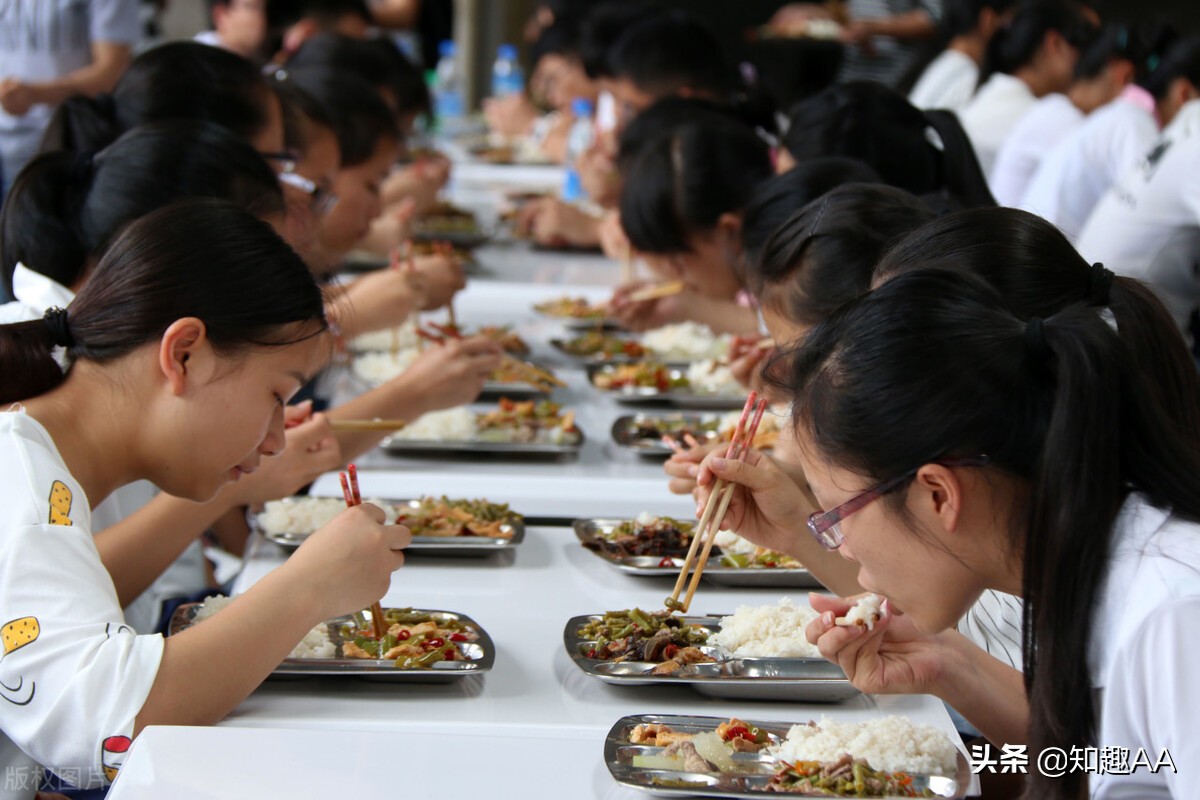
891 57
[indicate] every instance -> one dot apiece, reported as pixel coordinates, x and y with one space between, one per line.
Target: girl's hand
552 223
767 506
747 357
435 279
613 240
684 466
644 315
894 658
348 564
453 373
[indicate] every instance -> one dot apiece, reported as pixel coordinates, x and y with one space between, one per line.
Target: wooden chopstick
693 549
356 425
354 498
657 292
627 265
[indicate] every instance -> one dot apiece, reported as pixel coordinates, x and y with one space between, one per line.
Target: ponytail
962 176
1015 44
198 258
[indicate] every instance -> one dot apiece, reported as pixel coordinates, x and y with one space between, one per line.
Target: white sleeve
73 676
1150 703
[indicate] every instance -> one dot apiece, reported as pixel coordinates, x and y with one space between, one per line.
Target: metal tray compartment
805 680
481 653
752 773
479 447
421 545
592 530
648 395
625 428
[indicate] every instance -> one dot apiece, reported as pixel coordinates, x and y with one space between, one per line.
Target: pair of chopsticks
404 255
658 292
717 505
353 498
529 373
356 425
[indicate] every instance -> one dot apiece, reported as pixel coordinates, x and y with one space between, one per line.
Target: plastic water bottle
507 77
447 89
578 141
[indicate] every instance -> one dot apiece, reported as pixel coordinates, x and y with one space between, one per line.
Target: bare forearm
207 670
396 399
99 76
140 547
988 692
724 316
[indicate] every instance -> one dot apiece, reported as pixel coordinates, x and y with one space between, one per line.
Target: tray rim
655 447
392 446
374 668
420 544
646 395
612 742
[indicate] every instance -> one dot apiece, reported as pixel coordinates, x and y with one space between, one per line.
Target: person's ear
939 496
177 350
1123 72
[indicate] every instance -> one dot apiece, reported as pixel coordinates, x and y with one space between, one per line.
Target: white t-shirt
948 82
73 675
993 113
1081 168
1147 206
1051 119
47 39
1144 651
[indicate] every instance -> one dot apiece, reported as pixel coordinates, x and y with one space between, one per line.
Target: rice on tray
451 425
686 341
307 514
315 644
712 377
767 631
889 744
382 367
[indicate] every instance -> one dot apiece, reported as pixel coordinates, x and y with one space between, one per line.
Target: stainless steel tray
591 530
481 654
647 395
753 771
466 239
491 390
805 680
477 447
422 545
624 431
596 358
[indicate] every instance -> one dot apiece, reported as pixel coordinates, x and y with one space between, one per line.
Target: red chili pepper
670 651
769 564
435 642
450 654
402 635
738 732
592 653
459 637
666 562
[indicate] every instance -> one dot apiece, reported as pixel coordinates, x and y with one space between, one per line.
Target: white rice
866 611
307 514
767 631
400 338
686 341
378 368
315 644
890 744
452 425
734 544
711 377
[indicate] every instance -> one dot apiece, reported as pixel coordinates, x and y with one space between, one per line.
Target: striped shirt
994 623
890 58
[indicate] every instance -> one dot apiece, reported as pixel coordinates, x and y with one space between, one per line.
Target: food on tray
413 640
649 535
572 308
767 632
303 515
380 367
865 613
642 375
390 340
503 335
767 436
890 744
637 635
444 517
315 644
512 422
434 248
600 345
737 551
678 428
712 377
686 341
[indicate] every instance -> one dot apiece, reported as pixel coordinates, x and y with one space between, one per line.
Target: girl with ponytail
185 344
947 438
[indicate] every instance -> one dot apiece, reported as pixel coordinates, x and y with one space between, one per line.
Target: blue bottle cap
581 107
447 48
507 51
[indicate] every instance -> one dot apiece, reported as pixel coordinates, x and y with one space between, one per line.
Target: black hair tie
56 322
1101 285
1035 340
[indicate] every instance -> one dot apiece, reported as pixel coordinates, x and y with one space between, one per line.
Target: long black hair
64 208
1182 60
825 254
923 152
360 116
180 80
1039 273
1143 44
1056 403
1015 43
196 258
684 181
377 61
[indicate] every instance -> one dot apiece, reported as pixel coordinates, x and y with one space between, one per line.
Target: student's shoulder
35 486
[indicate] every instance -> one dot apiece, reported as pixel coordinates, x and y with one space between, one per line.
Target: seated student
294 22
62 214
922 152
1076 174
239 26
881 38
1117 57
1026 451
681 207
1029 57
196 327
950 79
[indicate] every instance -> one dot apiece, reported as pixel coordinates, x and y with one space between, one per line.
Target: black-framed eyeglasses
826 526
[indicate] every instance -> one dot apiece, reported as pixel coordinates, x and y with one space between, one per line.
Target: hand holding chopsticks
658 292
521 370
353 498
705 533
